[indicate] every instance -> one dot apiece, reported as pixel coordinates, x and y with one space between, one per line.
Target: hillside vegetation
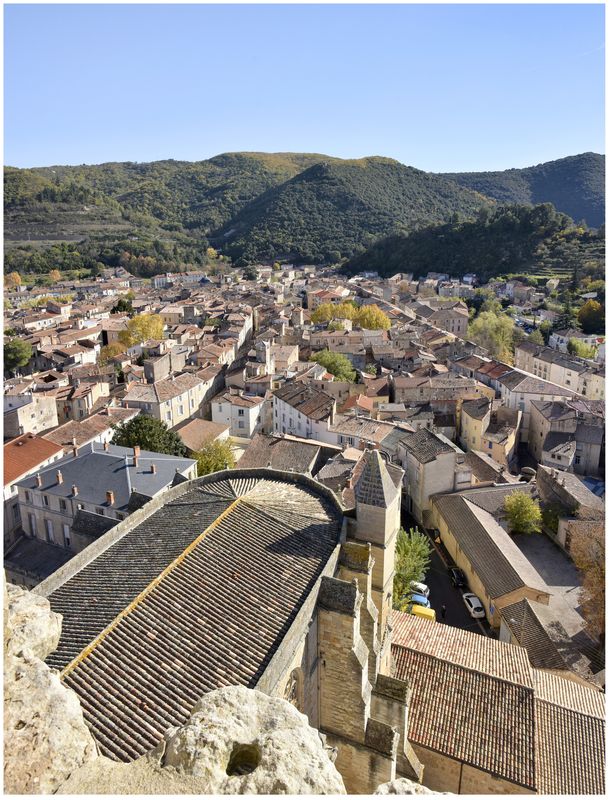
253 207
574 185
512 239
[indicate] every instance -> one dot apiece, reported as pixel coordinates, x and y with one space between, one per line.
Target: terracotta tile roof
311 402
469 716
197 596
25 453
479 700
425 445
493 556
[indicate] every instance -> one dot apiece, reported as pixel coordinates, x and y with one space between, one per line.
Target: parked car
457 578
474 605
420 600
421 611
419 588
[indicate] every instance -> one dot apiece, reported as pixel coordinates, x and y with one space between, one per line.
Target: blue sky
440 87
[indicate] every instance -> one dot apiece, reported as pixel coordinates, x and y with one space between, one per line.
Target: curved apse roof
199 594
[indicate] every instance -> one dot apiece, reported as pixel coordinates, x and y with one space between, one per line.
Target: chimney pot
110 498
75 490
106 446
153 469
59 476
74 451
136 455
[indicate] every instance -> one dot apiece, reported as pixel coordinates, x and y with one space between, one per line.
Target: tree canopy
17 353
412 558
150 434
142 328
215 456
495 332
592 317
522 512
336 364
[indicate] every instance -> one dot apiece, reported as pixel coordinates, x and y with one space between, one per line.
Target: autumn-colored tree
215 456
12 280
323 313
372 318
141 328
592 317
109 352
588 553
211 253
55 275
276 266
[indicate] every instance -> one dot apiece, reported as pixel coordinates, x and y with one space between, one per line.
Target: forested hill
574 185
508 240
304 207
337 208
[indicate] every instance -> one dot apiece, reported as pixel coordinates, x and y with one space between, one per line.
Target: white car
419 588
474 605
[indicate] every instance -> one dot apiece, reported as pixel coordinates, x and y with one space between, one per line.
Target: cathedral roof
196 594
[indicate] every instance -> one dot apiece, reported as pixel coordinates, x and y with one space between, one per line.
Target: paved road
442 592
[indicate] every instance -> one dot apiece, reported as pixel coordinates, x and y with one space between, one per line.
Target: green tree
141 328
495 332
336 364
578 348
250 274
335 325
215 456
412 557
17 353
150 434
522 512
592 317
545 329
123 306
536 337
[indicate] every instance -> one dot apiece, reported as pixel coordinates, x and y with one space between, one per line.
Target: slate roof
95 471
479 700
196 596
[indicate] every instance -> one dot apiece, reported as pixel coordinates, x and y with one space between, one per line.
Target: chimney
74 490
74 448
110 498
59 476
136 455
153 469
106 446
38 480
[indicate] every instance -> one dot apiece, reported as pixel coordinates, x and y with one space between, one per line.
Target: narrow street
441 590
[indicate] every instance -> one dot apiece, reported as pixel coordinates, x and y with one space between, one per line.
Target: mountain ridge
258 206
